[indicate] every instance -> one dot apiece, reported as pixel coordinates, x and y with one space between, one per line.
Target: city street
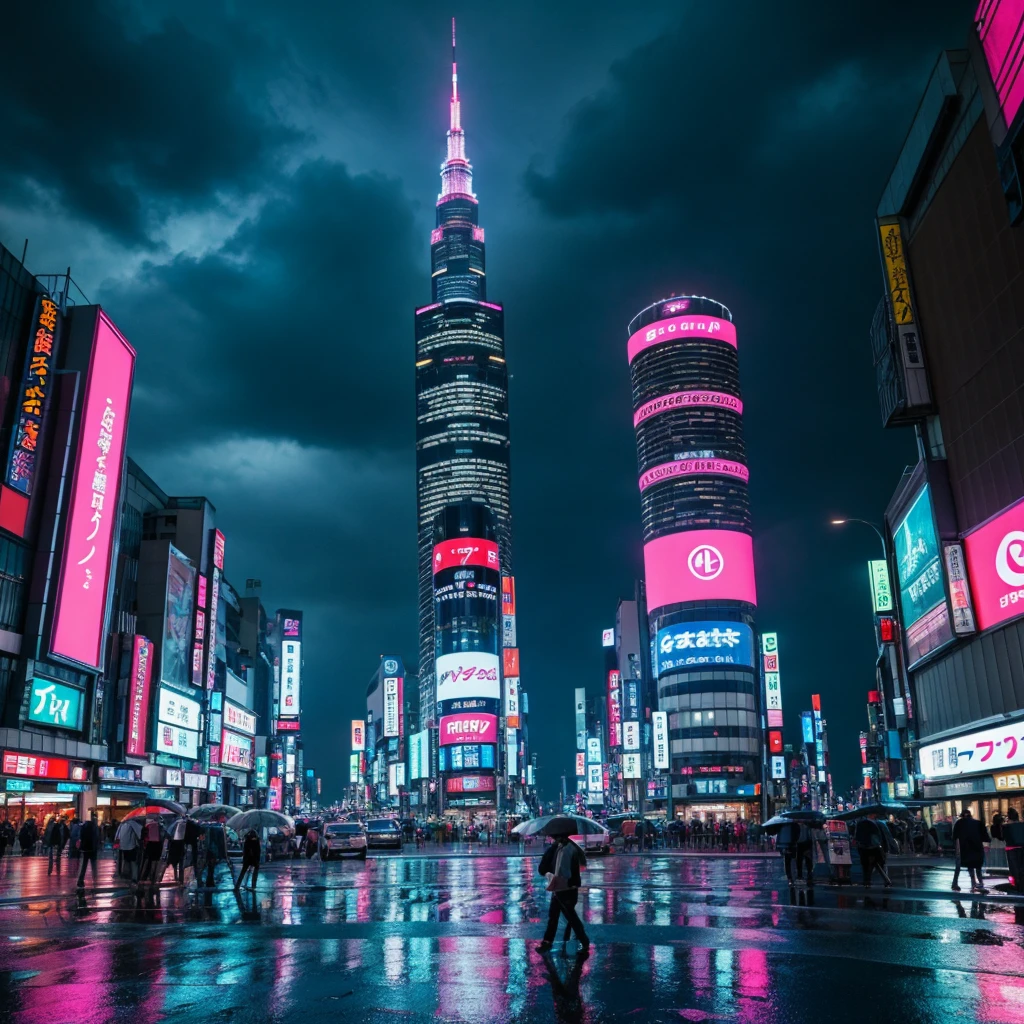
431 937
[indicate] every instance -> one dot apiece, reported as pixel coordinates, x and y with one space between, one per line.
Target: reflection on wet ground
452 938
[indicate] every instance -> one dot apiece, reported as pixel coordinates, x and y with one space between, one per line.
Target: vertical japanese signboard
80 607
659 720
391 702
138 697
512 702
881 591
176 649
358 735
959 591
772 679
614 709
581 718
34 394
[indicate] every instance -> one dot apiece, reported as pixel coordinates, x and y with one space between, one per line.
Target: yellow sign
1009 780
896 271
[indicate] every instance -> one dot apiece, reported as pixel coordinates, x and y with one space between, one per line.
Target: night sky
248 189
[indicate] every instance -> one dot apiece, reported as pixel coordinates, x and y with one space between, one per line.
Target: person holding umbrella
561 865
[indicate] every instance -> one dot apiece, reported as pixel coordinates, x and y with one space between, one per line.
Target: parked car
594 841
342 837
383 833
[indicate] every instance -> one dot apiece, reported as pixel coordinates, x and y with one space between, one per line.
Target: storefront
37 786
119 789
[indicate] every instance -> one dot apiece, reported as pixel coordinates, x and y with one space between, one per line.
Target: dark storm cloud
126 123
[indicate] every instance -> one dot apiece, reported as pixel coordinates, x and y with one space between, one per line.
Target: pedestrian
26 837
250 858
4 826
216 851
193 833
1012 815
152 848
969 837
176 849
56 839
129 841
76 832
561 866
870 841
88 846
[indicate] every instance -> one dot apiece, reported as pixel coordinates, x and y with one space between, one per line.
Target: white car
342 837
594 841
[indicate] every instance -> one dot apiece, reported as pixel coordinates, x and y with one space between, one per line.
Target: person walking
88 847
152 848
870 842
6 837
250 858
969 837
216 851
57 834
561 865
176 849
193 833
129 840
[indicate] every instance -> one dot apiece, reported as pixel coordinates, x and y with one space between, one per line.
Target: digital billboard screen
995 562
1000 25
987 750
80 607
291 674
700 644
466 551
468 728
138 696
471 674
681 328
466 757
176 650
922 590
699 565
55 704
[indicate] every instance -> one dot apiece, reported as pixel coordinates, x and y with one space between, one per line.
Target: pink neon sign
699 565
468 727
80 616
686 328
694 467
138 703
995 564
687 400
1000 26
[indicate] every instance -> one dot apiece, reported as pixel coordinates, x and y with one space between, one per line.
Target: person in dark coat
561 864
89 847
6 836
969 837
57 834
870 848
250 858
193 833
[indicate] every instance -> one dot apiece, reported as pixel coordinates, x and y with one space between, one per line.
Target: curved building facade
698 553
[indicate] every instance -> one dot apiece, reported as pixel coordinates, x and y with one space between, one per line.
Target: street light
865 522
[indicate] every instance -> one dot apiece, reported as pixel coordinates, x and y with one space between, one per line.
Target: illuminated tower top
456 171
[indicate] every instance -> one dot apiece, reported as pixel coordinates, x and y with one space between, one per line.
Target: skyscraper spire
456 171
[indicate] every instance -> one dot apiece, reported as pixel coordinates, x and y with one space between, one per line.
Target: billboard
959 591
510 661
807 726
176 649
471 674
1000 25
236 750
631 736
595 778
659 720
700 644
55 704
608 637
392 705
419 755
508 595
41 766
466 756
692 467
581 765
681 328
995 560
80 607
508 631
881 592
614 709
211 630
291 628
987 750
778 766
177 709
699 565
512 702
353 769
291 677
462 551
469 727
138 696
262 772
593 750
179 742
470 784
581 718
775 741
631 766
687 400
238 718
34 394
358 734
922 593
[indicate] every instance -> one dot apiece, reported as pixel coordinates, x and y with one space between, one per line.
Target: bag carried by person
558 880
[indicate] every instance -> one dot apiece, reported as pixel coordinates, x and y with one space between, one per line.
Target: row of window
713 718
680 697
695 503
716 745
684 366
690 433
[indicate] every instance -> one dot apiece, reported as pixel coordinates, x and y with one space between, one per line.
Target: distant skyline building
462 429
698 554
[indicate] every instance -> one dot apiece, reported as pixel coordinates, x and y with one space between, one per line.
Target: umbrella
559 825
214 812
260 818
773 825
881 809
157 807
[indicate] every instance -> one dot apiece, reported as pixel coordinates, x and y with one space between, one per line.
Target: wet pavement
416 937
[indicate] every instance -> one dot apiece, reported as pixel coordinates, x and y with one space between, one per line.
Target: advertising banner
291 674
236 750
176 649
631 736
988 750
681 328
595 779
510 659
581 718
419 755
470 784
614 709
593 750
176 709
391 707
778 766
238 718
288 725
775 741
179 742
700 644
358 734
631 766
511 753
353 769
211 631
274 796
581 765
699 565
138 697
53 703
508 595
922 594
807 726
472 674
468 728
959 591
508 631
291 628
659 720
41 766
451 554
881 592
512 702
262 772
995 559
608 637
693 467
80 615
687 400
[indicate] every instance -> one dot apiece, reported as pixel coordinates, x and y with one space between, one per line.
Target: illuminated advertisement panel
614 709
211 659
693 467
179 742
687 400
218 550
922 592
659 720
176 649
452 554
238 718
699 565
291 629
698 644
236 750
1000 25
881 592
631 736
358 734
391 705
681 328
291 672
581 765
40 766
512 702
470 784
471 674
510 657
138 696
55 704
467 757
581 718
593 750
468 728
995 562
80 608
987 750
508 595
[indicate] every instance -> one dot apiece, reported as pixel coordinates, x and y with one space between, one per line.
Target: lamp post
866 522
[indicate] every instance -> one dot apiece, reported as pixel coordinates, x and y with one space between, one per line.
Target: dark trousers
56 853
88 857
801 853
564 903
871 861
176 858
248 865
150 859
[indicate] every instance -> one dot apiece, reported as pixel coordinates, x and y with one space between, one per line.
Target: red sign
466 551
288 725
887 630
614 709
508 595
275 794
80 619
470 784
815 701
138 698
39 766
218 549
468 727
995 562
775 741
510 656
581 768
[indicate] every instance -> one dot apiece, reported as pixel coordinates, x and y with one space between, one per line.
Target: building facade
698 556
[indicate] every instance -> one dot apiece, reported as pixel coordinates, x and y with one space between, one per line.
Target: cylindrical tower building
698 554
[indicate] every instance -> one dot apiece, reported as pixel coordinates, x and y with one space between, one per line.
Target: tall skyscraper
698 555
462 435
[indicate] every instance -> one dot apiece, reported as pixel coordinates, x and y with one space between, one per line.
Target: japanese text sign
881 592
985 751
659 720
53 703
138 696
700 644
995 560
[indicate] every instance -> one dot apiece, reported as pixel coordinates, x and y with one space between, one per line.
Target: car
339 838
594 841
383 833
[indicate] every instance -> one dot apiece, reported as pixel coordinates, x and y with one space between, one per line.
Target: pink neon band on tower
686 328
699 565
694 467
687 399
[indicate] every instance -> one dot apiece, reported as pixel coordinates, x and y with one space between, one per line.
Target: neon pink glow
478 234
447 197
995 566
138 703
697 328
433 305
436 235
687 399
80 618
1000 26
468 727
694 467
700 565
466 551
489 305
